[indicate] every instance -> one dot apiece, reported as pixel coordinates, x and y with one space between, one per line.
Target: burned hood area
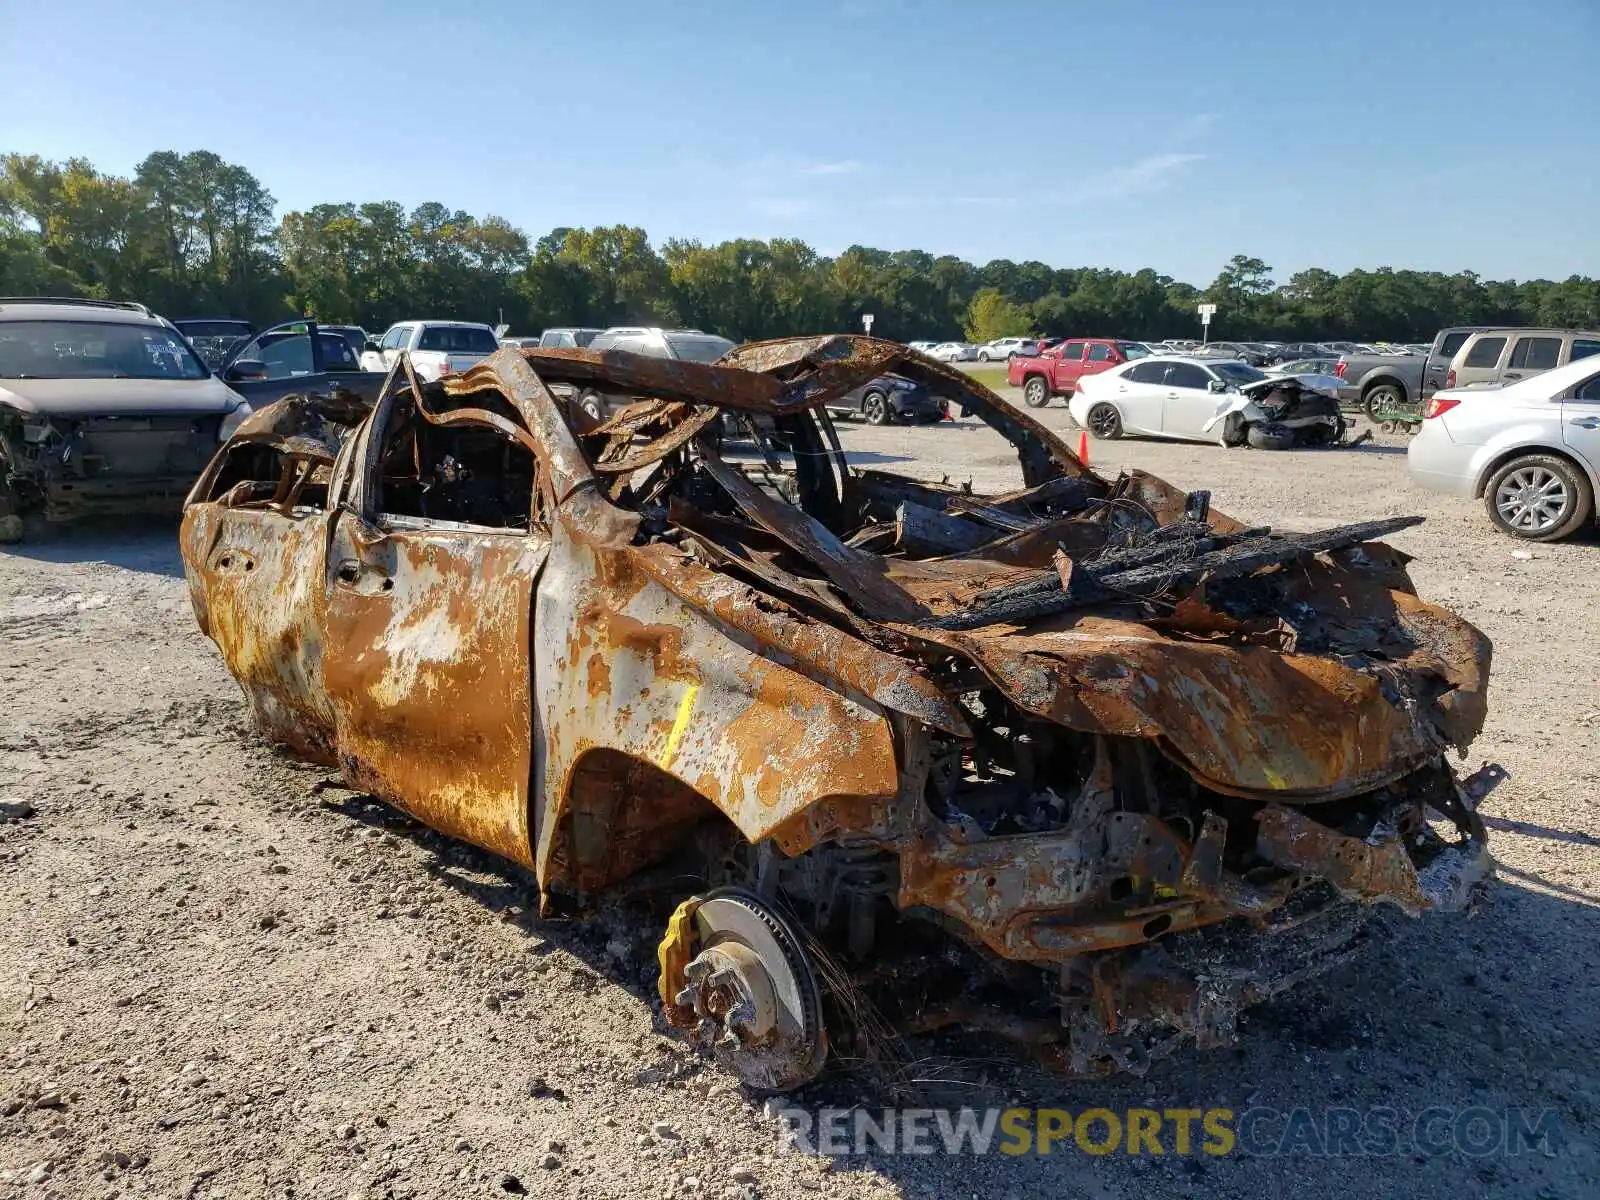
1088 764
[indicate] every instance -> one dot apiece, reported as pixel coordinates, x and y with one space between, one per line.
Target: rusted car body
1086 762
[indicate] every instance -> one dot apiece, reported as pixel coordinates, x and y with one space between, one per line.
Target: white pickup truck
436 347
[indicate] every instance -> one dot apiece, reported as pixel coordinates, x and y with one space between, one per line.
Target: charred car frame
1087 763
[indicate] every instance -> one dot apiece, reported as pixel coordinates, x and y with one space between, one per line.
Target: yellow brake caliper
674 953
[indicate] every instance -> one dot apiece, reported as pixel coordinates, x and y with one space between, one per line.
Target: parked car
104 408
213 337
1530 449
695 688
1314 372
890 398
298 356
691 345
1239 351
1494 356
1055 372
520 343
1385 383
567 337
355 337
1293 350
1171 396
954 352
436 347
922 347
1003 348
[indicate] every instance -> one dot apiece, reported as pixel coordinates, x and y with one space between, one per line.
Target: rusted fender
622 664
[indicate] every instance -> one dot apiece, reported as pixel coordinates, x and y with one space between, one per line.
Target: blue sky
1409 133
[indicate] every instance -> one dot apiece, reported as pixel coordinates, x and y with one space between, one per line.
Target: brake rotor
753 993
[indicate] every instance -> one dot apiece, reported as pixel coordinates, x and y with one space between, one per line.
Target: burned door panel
255 576
430 680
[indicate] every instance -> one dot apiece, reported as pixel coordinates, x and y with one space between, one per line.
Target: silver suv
691 344
1501 356
104 408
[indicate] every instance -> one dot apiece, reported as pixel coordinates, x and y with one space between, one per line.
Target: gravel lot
223 976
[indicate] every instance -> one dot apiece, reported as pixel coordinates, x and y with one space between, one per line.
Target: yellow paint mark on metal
685 707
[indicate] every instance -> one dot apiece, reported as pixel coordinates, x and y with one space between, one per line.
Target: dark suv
890 398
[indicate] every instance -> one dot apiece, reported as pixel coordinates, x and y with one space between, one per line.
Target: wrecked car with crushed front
104 409
1087 763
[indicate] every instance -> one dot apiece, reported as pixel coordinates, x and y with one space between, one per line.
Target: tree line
193 235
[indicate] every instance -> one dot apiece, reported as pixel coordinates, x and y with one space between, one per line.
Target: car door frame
1138 401
432 685
1514 374
1580 424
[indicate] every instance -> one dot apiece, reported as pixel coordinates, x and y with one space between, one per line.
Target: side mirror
247 370
1216 385
372 346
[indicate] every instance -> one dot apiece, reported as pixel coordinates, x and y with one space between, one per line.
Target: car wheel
11 529
1539 497
983 356
1384 395
1105 422
591 404
1036 392
1233 431
875 408
1270 436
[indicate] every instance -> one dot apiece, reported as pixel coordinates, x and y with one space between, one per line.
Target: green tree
991 315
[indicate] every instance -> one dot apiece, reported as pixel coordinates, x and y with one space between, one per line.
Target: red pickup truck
1055 372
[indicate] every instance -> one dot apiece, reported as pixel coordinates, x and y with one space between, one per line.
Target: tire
1539 498
1270 436
1105 422
1233 434
983 356
875 409
1381 396
1035 391
11 530
591 403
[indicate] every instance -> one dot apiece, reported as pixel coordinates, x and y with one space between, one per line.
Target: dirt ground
222 977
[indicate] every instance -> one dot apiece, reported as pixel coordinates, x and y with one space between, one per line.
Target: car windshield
1237 372
458 339
94 350
1134 349
702 348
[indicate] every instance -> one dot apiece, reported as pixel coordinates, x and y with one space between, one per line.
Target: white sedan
1165 395
1531 449
953 352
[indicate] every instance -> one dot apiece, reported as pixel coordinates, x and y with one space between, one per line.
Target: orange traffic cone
1083 447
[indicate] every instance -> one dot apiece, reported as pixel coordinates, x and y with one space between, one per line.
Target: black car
890 398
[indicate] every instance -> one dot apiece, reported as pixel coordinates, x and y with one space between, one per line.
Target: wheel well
622 814
1526 452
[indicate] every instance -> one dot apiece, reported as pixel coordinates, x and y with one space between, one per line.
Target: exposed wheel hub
750 993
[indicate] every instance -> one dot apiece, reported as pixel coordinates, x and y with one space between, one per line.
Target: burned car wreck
1088 763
